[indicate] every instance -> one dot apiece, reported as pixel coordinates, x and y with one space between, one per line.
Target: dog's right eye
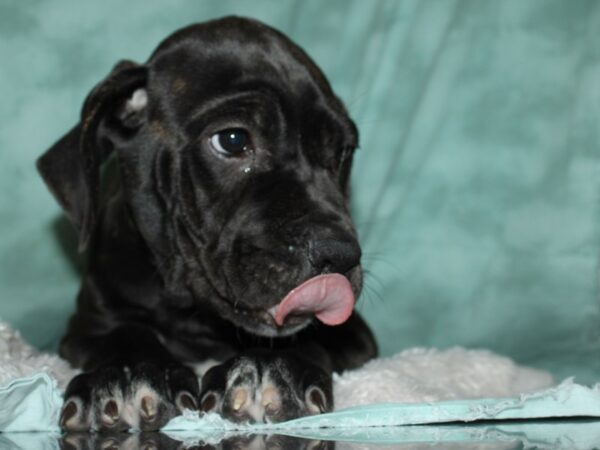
231 142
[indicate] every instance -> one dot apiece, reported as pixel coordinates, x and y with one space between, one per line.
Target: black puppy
210 186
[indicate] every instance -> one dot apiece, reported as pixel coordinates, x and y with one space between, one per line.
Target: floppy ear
71 167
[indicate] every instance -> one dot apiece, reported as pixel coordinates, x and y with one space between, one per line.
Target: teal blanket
476 187
33 404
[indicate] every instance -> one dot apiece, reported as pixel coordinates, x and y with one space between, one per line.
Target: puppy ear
71 167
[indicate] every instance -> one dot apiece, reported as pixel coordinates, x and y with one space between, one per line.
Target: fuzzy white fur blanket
412 376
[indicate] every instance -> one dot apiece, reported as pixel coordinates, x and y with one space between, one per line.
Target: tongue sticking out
329 297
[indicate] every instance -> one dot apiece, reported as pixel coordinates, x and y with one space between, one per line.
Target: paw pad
110 413
148 408
68 416
186 401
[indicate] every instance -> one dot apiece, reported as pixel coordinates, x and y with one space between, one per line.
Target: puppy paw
266 389
144 397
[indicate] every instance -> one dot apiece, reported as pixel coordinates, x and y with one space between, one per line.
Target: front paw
266 388
145 397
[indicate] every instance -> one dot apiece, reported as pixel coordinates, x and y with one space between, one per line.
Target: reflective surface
571 435
151 441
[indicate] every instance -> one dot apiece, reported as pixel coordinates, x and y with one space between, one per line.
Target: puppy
210 188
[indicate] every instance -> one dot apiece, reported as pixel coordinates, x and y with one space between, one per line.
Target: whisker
374 296
380 258
370 275
371 291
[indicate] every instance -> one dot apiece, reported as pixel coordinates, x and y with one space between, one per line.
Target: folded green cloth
567 400
30 404
33 404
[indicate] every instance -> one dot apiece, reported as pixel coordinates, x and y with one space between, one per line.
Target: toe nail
239 398
271 408
271 400
111 410
187 401
148 408
270 396
209 402
68 412
316 400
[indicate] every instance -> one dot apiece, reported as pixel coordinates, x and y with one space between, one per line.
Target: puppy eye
231 142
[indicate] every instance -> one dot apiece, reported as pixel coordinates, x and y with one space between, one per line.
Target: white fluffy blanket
412 376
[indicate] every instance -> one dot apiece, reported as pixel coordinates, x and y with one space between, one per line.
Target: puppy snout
334 255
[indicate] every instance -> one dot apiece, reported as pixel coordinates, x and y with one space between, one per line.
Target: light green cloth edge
32 404
565 400
581 435
571 435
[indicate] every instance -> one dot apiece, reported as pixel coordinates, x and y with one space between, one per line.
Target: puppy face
234 156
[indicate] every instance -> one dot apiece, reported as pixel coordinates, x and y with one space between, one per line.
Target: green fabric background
476 188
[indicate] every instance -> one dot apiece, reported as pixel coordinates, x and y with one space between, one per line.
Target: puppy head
234 156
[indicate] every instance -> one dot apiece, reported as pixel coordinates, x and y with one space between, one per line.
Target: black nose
334 256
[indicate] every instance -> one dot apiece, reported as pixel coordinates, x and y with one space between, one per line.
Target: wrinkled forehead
221 63
209 63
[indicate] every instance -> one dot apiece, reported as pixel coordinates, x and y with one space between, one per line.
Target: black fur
188 247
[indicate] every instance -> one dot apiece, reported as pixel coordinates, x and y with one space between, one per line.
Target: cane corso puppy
210 189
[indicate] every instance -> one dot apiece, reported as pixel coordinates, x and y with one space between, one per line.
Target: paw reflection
119 441
159 441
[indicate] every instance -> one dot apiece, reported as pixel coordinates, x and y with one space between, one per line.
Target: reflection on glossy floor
555 435
152 441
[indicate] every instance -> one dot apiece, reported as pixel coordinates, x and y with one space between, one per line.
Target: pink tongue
329 297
